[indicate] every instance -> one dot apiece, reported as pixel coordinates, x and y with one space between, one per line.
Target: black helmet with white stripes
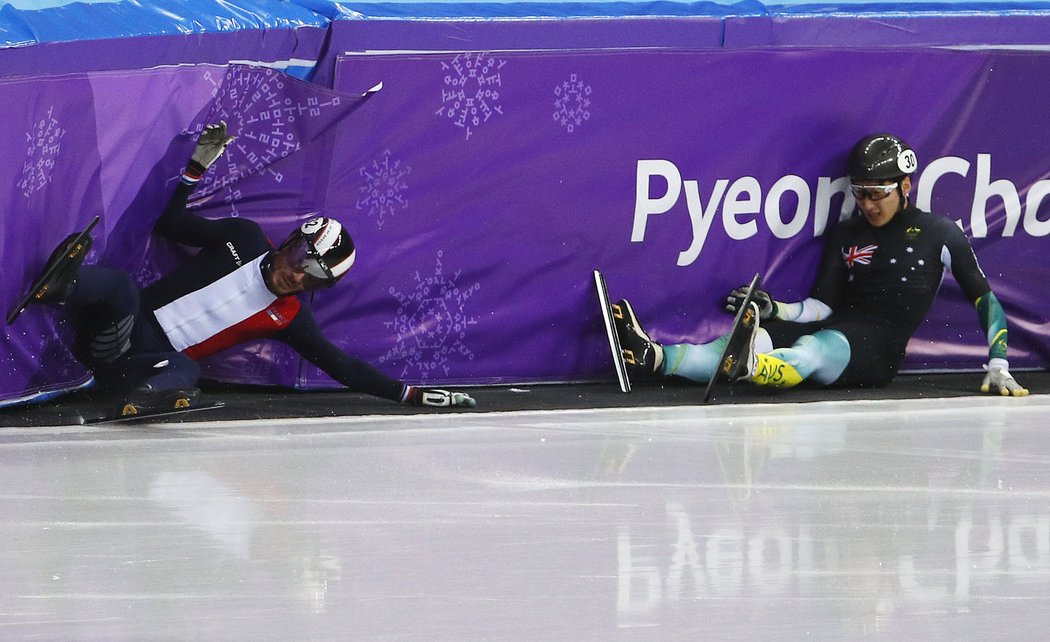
322 248
880 157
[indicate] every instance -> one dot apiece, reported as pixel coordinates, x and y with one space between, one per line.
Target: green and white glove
210 145
436 398
998 379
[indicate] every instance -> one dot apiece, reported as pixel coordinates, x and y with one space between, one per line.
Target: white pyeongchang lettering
700 217
788 204
774 219
1032 224
741 202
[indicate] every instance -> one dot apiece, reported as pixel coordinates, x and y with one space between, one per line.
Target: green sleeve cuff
993 322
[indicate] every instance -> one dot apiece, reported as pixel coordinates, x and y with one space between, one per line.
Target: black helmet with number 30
322 248
880 157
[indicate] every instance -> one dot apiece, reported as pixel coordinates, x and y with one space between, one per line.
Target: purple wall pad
887 30
699 32
140 52
483 188
488 185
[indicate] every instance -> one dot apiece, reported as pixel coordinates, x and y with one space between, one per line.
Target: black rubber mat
274 403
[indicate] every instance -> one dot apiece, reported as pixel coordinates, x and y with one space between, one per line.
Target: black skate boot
61 268
146 399
741 361
642 355
59 275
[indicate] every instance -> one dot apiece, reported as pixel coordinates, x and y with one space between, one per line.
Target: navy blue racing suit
216 299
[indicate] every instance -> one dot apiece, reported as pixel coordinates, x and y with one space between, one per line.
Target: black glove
767 307
439 398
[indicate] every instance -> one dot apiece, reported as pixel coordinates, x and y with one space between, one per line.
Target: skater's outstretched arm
990 313
306 338
181 226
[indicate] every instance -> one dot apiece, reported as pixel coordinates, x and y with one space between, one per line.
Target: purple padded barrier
295 50
888 29
485 187
692 32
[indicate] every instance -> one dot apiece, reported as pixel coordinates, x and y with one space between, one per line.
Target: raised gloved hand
998 379
439 398
210 145
767 307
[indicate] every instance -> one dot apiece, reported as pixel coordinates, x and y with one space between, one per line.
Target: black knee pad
111 342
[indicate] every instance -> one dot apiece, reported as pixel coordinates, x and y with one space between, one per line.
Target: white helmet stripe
340 268
333 245
327 237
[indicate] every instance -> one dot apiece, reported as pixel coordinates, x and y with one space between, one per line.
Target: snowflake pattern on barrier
572 102
265 127
431 324
471 92
384 190
44 145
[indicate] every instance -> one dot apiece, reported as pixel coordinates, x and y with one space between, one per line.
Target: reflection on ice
829 521
211 506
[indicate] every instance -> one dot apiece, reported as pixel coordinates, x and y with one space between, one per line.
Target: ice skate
741 361
642 355
148 400
63 264
738 358
59 275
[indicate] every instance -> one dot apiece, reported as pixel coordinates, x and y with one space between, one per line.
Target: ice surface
921 519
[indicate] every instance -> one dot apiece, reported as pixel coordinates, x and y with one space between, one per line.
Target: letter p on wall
644 203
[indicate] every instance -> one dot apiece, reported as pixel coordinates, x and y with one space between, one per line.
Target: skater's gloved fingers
999 380
736 299
766 307
215 134
437 398
463 399
739 293
211 144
